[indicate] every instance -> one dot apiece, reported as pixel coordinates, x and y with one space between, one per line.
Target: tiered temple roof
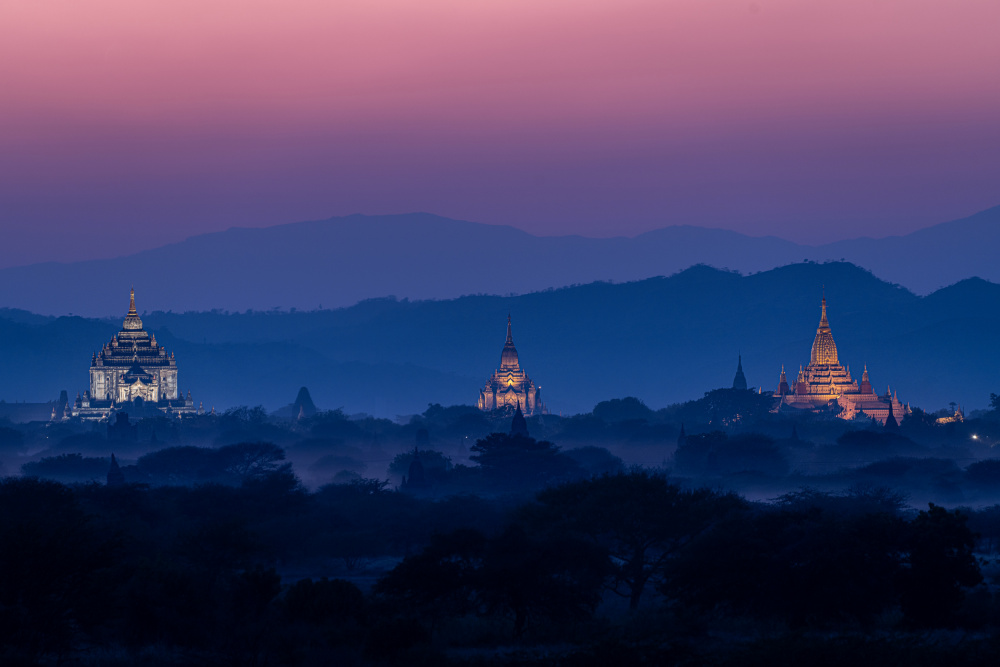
133 345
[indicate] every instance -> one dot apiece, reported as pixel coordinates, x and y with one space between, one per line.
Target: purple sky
127 125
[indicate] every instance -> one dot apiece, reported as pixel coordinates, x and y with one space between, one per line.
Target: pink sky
131 123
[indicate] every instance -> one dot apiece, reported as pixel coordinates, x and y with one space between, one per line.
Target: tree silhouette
716 453
325 601
512 575
67 468
639 517
803 562
245 461
519 462
441 580
49 560
434 463
941 565
558 578
622 409
179 465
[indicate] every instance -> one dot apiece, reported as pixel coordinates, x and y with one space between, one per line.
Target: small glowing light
975 437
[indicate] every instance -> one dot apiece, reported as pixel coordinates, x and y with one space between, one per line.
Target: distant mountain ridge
663 340
338 262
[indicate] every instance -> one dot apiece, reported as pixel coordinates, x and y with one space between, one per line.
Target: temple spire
115 475
519 425
866 386
824 350
508 358
740 381
891 424
132 321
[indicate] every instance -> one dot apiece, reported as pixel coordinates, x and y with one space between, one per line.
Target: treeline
730 440
627 568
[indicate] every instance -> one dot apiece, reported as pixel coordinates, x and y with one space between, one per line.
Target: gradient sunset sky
126 124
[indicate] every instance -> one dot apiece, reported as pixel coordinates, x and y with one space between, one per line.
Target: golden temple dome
824 350
508 358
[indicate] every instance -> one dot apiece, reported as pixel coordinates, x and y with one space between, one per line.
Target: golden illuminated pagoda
510 386
826 382
132 372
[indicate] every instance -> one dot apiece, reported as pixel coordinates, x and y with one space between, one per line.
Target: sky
128 124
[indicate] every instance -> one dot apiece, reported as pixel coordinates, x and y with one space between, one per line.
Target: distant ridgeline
340 261
665 340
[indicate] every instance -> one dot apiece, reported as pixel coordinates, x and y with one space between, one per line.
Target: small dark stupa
115 475
122 430
303 405
682 437
417 477
519 425
891 425
783 388
740 381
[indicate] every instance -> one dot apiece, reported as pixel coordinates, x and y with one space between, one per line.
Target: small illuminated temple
132 372
510 385
826 381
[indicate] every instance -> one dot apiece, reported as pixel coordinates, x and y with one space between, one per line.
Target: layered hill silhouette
338 262
664 340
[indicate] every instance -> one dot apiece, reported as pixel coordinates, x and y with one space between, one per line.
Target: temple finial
131 301
510 338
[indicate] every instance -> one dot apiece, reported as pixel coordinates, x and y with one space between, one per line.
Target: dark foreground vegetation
622 569
746 538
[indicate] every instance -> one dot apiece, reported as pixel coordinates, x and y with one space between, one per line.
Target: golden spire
132 321
508 358
824 350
